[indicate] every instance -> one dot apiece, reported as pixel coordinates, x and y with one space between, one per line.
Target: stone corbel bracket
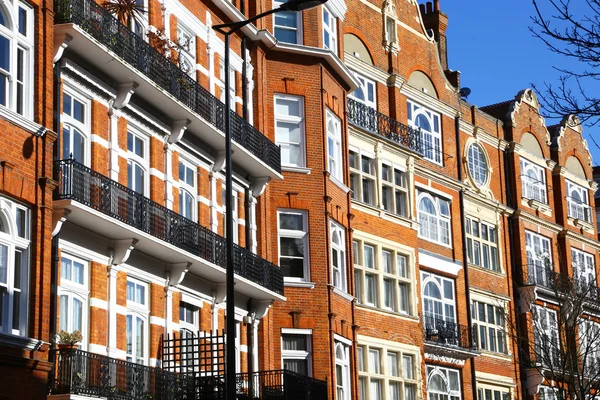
61 42
176 272
59 217
122 249
178 128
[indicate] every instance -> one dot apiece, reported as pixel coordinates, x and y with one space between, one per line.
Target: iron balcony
87 187
448 333
97 35
370 120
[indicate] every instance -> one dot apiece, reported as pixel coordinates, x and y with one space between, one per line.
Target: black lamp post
227 30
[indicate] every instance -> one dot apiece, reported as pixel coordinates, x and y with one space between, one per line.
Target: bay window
334 146
293 244
362 177
338 255
289 129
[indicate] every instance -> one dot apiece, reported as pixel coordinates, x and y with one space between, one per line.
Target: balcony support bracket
219 164
122 250
258 185
177 129
261 307
124 92
176 272
61 42
59 216
219 292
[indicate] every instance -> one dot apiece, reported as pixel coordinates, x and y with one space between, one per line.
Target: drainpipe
464 243
244 73
247 227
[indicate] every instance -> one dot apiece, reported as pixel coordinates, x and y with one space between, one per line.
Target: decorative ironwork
82 184
369 119
200 353
83 373
561 284
279 384
120 40
448 333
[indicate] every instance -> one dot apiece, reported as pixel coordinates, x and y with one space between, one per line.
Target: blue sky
490 43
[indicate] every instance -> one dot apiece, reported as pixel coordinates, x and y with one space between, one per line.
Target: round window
478 167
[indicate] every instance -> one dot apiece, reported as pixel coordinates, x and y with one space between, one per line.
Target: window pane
78 272
65 268
294 342
64 312
77 315
4 53
22 21
392 361
291 221
130 291
374 363
407 367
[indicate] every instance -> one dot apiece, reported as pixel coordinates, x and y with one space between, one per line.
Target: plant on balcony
125 10
69 339
558 336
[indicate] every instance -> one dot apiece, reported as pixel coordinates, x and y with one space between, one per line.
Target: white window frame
334 146
368 88
291 119
221 85
446 299
549 393
139 310
550 334
330 28
432 225
589 346
444 373
578 208
14 243
298 354
433 146
343 388
234 214
533 181
73 290
360 177
401 263
186 46
489 327
477 244
584 267
339 272
384 375
24 43
483 391
187 189
394 188
298 28
84 128
478 164
295 234
539 257
141 161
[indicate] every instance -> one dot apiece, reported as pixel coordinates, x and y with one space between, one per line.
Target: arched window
342 372
443 383
16 59
428 123
438 300
578 202
533 181
137 164
76 127
434 218
338 256
73 293
188 205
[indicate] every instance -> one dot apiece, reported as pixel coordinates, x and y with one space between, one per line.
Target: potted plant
69 340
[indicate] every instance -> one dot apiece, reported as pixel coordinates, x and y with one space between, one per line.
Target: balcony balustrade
448 333
93 19
369 119
561 284
88 187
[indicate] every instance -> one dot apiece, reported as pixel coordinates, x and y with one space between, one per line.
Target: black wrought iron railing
82 184
369 119
562 284
119 39
82 373
279 384
579 209
448 333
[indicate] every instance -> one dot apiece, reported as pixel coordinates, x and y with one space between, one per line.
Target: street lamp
227 30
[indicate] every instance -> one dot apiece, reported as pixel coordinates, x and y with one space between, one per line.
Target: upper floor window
234 214
589 348
443 383
382 278
293 244
186 44
394 190
221 85
533 181
16 62
342 371
489 327
482 246
189 322
478 164
14 270
434 218
296 351
75 127
539 258
362 177
287 25
136 327
430 127
334 146
439 303
584 270
329 30
578 202
289 129
187 191
386 370
366 92
137 164
550 393
73 293
546 337
338 255
492 393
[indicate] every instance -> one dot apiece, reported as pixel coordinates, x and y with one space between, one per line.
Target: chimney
437 21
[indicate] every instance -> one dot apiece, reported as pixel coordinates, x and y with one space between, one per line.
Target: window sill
537 205
298 284
579 223
345 188
298 170
20 342
388 216
341 293
448 246
499 274
387 312
500 356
